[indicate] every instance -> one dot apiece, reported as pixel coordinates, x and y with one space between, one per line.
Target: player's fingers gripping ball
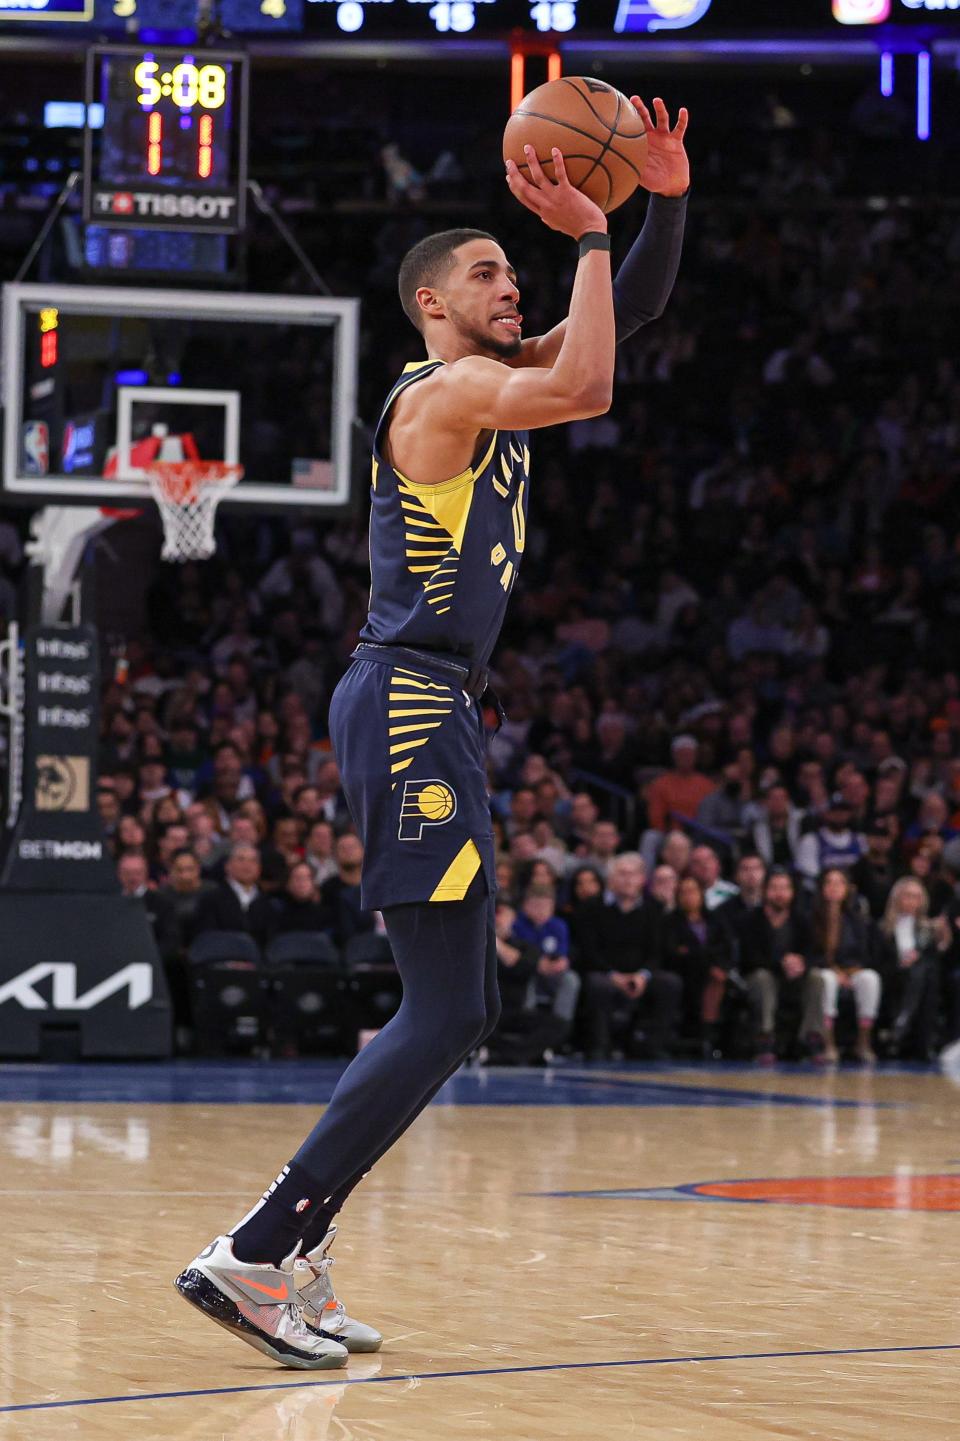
601 137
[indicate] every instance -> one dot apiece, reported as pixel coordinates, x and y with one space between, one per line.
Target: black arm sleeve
645 280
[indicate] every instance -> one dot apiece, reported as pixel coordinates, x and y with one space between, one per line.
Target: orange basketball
597 131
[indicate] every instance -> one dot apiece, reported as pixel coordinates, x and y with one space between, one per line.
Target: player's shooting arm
480 394
645 281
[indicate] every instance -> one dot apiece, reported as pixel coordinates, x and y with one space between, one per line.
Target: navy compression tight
447 959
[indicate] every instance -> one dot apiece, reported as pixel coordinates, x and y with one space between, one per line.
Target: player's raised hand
667 168
558 203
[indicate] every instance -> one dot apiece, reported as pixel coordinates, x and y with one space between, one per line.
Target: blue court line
488 1371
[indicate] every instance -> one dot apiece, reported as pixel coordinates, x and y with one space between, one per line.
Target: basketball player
450 486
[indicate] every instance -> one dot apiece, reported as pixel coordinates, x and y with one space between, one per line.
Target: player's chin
504 343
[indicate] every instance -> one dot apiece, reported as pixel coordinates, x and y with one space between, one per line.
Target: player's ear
430 303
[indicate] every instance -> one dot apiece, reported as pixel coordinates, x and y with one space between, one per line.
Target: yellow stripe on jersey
417 726
455 881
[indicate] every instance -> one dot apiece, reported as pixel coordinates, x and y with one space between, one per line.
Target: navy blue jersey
443 558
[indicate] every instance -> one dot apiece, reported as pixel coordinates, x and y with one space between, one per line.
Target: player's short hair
428 262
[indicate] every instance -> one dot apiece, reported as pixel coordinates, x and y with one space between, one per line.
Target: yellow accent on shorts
456 879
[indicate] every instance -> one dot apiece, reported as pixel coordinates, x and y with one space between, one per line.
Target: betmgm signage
58 842
77 957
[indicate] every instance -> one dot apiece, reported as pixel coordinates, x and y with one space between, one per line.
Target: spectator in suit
625 982
841 947
299 907
186 889
318 852
238 903
698 949
134 877
784 991
341 893
910 952
749 876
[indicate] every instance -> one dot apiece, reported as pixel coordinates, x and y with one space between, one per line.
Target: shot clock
172 151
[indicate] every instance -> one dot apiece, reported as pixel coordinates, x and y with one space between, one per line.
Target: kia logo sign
136 979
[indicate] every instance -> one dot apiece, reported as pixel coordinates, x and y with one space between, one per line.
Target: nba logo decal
36 447
425 803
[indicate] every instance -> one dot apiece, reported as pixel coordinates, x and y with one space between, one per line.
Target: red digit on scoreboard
205 147
154 142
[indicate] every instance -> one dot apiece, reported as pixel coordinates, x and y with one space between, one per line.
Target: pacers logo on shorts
425 803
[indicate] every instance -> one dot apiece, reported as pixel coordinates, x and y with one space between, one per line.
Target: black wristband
593 240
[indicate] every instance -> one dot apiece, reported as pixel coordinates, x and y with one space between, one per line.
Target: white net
187 493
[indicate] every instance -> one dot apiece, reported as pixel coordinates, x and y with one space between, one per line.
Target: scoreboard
171 152
420 19
706 18
164 16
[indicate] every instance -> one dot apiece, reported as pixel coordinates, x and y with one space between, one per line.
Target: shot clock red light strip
154 142
205 147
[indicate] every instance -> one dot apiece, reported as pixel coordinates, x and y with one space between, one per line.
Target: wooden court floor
613 1254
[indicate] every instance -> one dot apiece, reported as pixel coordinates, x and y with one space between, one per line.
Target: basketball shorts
411 747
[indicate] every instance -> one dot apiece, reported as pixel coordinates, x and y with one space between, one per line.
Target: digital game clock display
171 153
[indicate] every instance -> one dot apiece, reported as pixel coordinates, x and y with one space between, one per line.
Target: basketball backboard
99 381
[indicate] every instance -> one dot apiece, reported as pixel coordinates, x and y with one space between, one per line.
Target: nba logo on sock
425 803
302 1205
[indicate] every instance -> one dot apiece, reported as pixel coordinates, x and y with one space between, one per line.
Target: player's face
481 297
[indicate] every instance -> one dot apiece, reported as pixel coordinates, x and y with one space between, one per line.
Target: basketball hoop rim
179 482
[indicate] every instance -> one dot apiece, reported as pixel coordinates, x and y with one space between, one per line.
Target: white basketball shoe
321 1309
261 1305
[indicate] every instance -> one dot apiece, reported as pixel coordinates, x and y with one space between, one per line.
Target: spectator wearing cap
680 790
777 828
875 872
833 845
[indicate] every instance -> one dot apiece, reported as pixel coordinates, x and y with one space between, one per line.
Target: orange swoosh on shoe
278 1293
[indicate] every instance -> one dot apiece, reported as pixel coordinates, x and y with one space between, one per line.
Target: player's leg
441 954
321 1306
